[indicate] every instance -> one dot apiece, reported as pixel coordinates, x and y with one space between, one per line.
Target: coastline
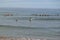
25 38
18 38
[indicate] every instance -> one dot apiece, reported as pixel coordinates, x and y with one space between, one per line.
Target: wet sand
19 38
24 38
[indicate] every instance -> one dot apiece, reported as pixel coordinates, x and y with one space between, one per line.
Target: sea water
25 28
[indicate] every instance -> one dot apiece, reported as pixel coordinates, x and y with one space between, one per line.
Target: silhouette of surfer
16 20
30 19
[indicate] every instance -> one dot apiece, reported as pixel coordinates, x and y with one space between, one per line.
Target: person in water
30 19
16 20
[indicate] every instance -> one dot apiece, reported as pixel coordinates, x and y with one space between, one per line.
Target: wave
23 27
26 27
33 17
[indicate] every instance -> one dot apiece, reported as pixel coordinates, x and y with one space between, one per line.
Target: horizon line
32 8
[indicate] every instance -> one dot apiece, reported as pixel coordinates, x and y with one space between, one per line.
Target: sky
30 3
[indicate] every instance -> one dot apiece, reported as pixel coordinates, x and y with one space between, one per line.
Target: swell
33 17
26 27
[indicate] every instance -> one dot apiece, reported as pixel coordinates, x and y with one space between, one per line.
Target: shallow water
37 28
40 27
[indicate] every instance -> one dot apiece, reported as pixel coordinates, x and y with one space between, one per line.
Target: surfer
16 20
30 19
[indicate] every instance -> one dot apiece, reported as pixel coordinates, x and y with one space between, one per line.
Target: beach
17 38
25 38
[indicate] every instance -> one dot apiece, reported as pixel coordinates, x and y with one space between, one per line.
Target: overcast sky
30 3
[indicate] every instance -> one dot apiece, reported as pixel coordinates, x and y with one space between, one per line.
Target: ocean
39 27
